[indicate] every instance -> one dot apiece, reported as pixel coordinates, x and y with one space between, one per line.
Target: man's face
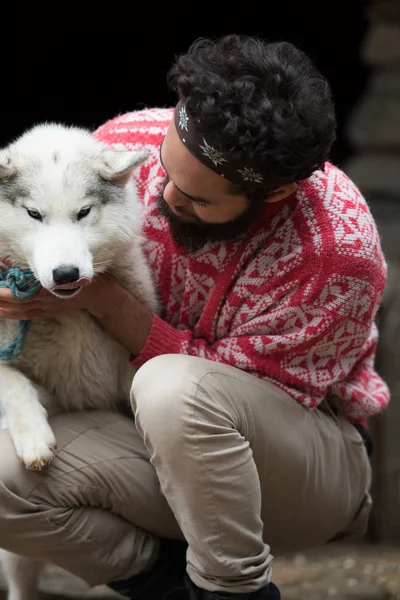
197 202
194 192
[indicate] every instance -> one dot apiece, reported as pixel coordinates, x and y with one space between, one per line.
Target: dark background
83 68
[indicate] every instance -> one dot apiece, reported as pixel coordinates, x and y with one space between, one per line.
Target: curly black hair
266 101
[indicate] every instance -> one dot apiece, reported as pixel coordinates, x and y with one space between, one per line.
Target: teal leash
23 284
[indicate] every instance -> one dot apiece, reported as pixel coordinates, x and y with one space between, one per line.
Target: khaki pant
231 461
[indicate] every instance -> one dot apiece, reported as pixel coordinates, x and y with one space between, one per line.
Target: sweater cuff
163 339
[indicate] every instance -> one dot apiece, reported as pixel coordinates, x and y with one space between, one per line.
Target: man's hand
124 317
45 304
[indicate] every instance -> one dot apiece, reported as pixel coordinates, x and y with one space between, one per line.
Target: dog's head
67 205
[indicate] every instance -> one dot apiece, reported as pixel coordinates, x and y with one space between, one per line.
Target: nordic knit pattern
292 301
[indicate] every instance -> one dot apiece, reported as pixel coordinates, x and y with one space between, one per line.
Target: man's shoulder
338 222
137 128
331 182
337 205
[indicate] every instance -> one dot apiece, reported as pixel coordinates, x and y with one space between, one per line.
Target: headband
236 171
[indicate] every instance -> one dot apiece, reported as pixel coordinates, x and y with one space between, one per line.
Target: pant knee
161 381
162 393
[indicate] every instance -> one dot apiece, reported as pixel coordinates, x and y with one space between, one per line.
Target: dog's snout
65 274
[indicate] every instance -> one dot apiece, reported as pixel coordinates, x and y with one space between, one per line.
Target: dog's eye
35 214
83 213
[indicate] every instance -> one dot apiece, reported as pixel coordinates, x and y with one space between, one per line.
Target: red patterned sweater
293 301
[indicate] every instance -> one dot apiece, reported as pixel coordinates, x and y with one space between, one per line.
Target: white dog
68 212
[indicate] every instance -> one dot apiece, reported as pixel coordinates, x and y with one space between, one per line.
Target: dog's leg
22 576
26 417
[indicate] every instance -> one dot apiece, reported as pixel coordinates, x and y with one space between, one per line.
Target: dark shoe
164 581
269 592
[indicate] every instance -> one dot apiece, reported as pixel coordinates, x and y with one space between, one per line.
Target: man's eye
34 214
199 203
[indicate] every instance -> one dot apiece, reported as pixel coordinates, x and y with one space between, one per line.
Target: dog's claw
38 465
35 448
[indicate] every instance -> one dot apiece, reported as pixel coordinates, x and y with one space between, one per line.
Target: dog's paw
35 448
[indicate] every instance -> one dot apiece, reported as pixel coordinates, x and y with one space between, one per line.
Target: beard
195 235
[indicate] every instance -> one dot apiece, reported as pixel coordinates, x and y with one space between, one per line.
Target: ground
336 572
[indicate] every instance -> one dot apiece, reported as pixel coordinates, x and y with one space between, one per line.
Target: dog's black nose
65 274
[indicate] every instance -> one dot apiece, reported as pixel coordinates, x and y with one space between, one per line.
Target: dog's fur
68 362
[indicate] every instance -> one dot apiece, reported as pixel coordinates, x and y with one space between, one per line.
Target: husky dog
68 212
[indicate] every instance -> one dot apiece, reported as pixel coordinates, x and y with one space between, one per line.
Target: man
256 381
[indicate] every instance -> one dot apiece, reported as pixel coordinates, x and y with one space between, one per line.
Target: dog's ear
7 169
117 166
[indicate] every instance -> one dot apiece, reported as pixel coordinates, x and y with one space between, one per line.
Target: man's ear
281 193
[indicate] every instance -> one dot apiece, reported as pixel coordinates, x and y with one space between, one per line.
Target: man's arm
125 318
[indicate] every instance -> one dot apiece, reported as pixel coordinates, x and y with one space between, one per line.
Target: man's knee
161 380
162 393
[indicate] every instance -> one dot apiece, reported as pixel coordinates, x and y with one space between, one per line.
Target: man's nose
173 197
